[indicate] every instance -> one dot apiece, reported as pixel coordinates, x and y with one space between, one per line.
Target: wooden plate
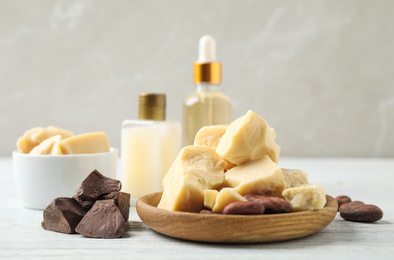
233 228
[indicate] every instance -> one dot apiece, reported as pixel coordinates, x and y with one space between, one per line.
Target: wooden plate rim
142 205
331 202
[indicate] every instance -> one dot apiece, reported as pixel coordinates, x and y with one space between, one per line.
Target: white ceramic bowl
41 178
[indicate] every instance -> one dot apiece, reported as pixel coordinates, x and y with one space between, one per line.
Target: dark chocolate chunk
122 200
86 204
95 185
103 220
63 215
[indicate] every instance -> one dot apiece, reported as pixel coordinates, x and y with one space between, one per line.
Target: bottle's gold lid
152 106
207 72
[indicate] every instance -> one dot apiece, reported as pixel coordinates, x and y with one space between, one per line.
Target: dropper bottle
207 105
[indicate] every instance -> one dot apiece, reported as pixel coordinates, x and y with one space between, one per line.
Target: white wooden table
368 180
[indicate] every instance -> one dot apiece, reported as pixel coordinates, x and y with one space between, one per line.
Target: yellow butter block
225 197
47 146
248 138
24 145
195 169
56 150
210 198
261 176
294 177
305 197
96 142
210 135
33 137
45 133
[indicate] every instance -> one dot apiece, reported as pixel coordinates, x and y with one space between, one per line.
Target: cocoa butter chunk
196 168
95 185
63 215
248 138
103 220
261 176
305 197
86 204
122 200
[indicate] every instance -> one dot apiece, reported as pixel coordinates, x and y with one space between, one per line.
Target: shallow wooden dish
233 228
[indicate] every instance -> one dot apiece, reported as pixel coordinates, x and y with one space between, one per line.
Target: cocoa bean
207 211
272 205
360 212
244 208
342 200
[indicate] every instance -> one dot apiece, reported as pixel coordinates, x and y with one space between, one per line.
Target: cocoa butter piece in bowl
244 208
359 212
96 184
272 205
103 220
342 200
63 215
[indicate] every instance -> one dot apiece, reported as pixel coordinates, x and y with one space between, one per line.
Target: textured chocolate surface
95 185
103 220
86 204
63 215
122 200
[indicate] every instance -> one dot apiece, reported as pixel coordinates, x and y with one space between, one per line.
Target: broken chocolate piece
86 204
103 220
95 185
122 200
63 215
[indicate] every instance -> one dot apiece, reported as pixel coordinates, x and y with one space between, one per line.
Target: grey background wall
320 72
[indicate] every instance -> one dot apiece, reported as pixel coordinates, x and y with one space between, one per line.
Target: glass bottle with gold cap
206 106
148 147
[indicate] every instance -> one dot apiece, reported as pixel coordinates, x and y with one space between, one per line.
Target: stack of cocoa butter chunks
98 209
233 169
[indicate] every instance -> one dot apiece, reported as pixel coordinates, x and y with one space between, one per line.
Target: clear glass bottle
148 147
206 106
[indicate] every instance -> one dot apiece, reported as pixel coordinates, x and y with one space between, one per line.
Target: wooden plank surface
369 180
